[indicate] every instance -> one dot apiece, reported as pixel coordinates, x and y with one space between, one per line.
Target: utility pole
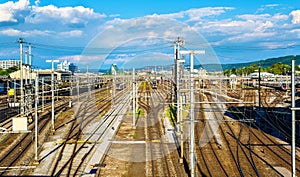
26 70
259 78
192 102
71 91
78 90
133 97
177 61
21 76
15 92
30 61
293 122
52 92
88 83
43 94
36 118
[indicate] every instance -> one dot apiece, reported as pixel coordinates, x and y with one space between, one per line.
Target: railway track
272 154
276 153
68 152
20 144
207 154
238 154
24 142
161 161
73 163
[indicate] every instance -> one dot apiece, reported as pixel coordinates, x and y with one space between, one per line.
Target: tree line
5 72
277 69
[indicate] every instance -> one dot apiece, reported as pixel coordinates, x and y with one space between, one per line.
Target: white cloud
272 5
73 33
37 2
280 17
82 59
195 14
251 36
32 33
296 31
276 45
13 12
295 16
253 17
10 32
21 12
114 15
72 16
245 27
17 33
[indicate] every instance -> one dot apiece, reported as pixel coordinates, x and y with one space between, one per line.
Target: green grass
170 113
135 135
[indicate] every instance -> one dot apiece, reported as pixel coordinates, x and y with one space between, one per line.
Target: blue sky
96 32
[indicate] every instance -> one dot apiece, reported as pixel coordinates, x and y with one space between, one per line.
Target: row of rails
268 151
274 118
73 162
207 154
214 138
161 161
6 124
236 154
122 101
172 155
89 109
278 120
17 145
7 102
7 110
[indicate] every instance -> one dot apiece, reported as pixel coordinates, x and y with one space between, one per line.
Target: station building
5 64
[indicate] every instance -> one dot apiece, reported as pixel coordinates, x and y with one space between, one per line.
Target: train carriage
120 85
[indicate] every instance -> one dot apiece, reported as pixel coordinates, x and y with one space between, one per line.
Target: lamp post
52 91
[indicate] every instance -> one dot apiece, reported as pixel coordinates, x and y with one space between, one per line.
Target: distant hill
265 63
216 67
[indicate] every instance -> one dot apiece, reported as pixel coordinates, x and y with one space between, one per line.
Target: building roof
17 74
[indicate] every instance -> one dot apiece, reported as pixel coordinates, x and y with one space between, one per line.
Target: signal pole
192 102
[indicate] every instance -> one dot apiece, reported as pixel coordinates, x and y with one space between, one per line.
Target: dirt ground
125 160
